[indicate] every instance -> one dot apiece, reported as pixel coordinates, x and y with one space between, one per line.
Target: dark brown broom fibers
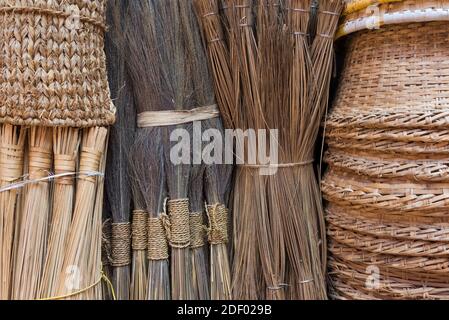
118 187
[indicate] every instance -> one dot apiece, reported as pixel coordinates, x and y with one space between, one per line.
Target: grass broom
118 186
12 144
76 272
140 43
32 241
65 148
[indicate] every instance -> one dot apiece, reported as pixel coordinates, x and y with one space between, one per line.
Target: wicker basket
52 69
387 185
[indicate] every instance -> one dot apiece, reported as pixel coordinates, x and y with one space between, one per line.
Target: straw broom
177 88
96 272
140 44
12 142
117 176
76 272
139 237
32 241
149 183
200 269
65 149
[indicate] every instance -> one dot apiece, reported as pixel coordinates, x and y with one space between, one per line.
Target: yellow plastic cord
359 5
103 277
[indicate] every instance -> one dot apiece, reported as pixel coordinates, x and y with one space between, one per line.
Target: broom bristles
12 143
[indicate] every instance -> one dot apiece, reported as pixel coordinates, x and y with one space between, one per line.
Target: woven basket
372 14
53 70
387 185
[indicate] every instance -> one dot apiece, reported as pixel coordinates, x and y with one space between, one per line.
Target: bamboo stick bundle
12 143
32 241
76 273
117 181
65 148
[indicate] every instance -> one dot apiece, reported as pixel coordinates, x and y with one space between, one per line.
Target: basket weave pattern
52 63
387 185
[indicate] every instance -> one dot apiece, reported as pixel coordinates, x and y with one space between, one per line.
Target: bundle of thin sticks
12 148
118 184
269 77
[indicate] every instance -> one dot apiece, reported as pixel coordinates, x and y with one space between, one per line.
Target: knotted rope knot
218 224
139 230
157 239
121 244
177 223
197 230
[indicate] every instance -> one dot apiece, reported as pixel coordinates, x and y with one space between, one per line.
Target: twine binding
150 119
139 230
177 223
197 230
121 244
157 240
218 224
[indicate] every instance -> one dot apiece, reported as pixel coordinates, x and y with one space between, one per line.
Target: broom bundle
65 147
279 81
12 147
54 99
118 184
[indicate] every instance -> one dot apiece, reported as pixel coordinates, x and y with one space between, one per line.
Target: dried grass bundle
32 239
12 143
279 231
82 260
65 148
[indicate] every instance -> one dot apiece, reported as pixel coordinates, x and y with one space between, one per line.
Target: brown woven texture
53 70
387 185
390 76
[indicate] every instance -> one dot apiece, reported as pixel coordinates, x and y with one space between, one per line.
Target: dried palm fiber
33 233
65 149
386 183
81 269
118 185
35 88
374 15
139 42
12 144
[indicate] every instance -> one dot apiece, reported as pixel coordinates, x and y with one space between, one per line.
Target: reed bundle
65 148
82 263
32 239
12 144
277 80
118 184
